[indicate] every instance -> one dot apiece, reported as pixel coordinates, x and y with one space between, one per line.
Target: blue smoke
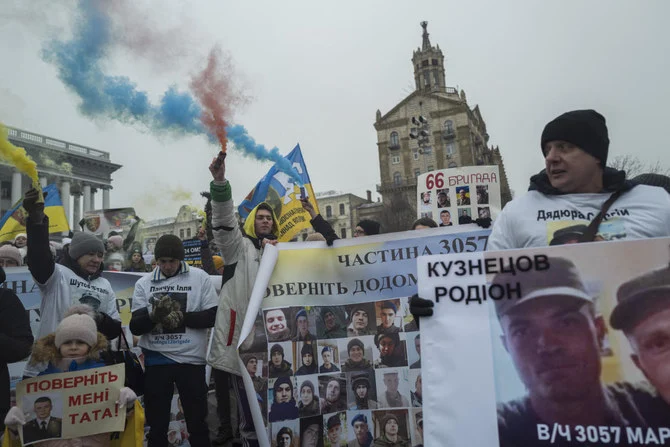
79 64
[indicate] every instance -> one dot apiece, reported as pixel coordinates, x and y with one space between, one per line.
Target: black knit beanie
355 342
169 246
586 129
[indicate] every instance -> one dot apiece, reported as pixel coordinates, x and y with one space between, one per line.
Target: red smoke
213 89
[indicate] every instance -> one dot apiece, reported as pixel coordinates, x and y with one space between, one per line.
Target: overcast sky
316 73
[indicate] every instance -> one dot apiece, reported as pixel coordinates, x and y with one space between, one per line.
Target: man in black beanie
573 188
367 227
172 308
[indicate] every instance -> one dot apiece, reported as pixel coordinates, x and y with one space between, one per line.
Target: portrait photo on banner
586 341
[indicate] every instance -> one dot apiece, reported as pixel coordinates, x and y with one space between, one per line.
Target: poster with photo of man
566 349
457 190
346 351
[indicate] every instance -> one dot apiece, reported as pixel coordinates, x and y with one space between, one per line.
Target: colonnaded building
79 172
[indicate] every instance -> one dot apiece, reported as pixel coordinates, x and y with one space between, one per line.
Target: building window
181 234
417 172
415 153
449 126
397 179
424 63
428 150
395 143
434 61
188 233
453 164
329 211
436 78
343 233
450 149
395 159
426 78
342 209
430 168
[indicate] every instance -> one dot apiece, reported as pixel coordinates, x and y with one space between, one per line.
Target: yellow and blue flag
282 193
14 220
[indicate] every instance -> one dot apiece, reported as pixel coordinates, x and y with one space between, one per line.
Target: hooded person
367 227
389 433
16 339
309 363
242 250
63 285
278 366
74 346
356 360
283 403
309 401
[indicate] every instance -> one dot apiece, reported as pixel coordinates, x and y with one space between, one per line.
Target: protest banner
70 405
328 344
101 222
448 195
564 345
192 252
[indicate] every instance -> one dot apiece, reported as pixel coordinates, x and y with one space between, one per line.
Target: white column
65 198
76 212
17 187
105 198
43 182
87 197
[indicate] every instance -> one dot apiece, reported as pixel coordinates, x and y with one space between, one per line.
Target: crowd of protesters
69 275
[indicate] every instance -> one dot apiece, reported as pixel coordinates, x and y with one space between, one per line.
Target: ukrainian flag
14 220
280 191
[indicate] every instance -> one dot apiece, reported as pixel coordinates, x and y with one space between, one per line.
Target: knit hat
10 252
356 307
281 380
360 417
586 129
308 384
276 348
116 241
387 417
248 358
369 226
355 342
301 313
77 325
83 243
169 246
360 378
307 349
660 180
390 305
218 262
23 235
334 421
325 311
395 338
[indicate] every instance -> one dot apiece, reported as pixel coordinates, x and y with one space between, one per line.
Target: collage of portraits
341 375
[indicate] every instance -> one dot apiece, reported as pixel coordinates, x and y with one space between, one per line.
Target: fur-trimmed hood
44 349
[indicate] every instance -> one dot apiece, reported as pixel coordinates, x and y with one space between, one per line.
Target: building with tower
432 128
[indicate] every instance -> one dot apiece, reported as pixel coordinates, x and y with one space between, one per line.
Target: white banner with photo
330 352
457 196
565 345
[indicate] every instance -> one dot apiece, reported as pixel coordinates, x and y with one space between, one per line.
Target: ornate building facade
432 128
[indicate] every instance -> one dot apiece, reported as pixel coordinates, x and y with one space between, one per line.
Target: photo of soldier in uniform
391 428
305 325
311 432
414 350
281 359
276 325
388 318
282 402
443 199
416 391
362 391
462 195
329 355
482 194
390 350
393 388
335 432
361 319
45 425
331 324
308 396
360 428
333 392
356 353
308 361
285 434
